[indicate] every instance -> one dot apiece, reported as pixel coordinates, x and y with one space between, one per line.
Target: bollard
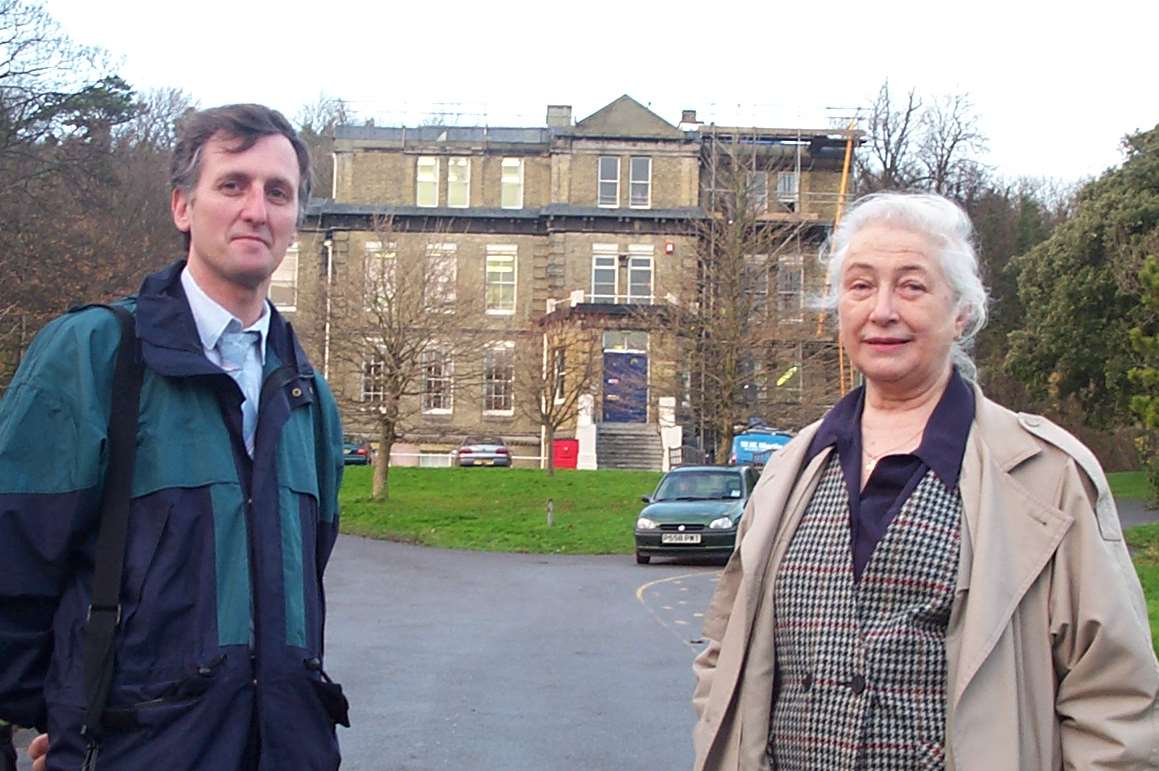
550 513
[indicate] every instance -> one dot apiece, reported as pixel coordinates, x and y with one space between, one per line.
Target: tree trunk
380 489
724 448
549 448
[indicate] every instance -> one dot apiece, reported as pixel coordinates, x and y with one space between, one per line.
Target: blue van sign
756 446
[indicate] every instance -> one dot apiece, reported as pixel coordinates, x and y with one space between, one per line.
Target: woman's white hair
945 224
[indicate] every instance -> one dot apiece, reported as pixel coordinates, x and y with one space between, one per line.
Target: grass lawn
1129 484
1144 539
499 509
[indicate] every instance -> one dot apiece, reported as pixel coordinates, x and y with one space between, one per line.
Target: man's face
242 213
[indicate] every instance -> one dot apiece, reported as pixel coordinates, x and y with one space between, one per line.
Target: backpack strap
109 559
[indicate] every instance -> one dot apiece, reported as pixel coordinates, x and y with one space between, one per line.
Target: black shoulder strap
109 559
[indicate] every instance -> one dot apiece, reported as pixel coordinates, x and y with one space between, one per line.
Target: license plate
680 538
487 462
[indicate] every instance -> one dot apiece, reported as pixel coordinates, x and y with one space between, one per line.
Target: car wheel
642 559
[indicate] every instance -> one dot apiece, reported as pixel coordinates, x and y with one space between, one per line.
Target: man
218 653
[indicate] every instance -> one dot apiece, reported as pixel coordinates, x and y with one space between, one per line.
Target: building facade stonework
600 222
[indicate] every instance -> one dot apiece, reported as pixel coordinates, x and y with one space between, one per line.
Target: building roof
477 134
626 118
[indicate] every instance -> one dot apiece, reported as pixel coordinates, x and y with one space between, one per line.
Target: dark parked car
483 451
694 511
355 451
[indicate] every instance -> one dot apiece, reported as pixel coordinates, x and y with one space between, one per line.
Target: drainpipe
329 244
543 396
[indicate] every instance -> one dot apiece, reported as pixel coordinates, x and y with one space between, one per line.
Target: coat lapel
777 506
1008 537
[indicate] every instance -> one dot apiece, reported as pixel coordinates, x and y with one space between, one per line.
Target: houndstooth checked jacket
861 667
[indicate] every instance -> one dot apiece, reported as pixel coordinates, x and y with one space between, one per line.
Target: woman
924 578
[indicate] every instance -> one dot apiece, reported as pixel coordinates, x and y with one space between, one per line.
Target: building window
511 184
559 374
499 279
758 191
373 379
609 183
499 379
790 286
459 182
381 262
788 189
605 273
626 340
427 181
284 281
442 273
753 381
640 273
438 382
640 183
755 282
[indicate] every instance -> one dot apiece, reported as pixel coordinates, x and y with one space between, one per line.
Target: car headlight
720 523
643 523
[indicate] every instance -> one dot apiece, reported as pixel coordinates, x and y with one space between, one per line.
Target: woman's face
896 310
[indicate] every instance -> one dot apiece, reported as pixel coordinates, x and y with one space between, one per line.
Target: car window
709 484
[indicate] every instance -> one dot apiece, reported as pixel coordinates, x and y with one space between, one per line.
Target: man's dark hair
243 123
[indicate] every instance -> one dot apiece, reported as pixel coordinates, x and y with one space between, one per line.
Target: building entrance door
625 387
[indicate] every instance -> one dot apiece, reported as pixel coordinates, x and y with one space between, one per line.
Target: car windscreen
700 486
482 440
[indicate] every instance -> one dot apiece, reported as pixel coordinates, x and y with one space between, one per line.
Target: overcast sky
1056 84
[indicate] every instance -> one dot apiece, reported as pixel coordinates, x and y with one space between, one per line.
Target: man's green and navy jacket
219 651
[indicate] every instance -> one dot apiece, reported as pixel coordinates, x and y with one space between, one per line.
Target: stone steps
629 446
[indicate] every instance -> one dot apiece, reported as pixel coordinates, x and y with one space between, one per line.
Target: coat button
857 684
807 681
296 393
314 664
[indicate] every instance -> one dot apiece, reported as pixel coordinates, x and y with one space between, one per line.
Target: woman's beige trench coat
1049 650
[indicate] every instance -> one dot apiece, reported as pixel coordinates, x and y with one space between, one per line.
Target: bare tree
931 145
893 138
739 321
949 145
549 391
316 124
404 335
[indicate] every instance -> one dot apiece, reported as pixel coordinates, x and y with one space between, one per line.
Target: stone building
597 223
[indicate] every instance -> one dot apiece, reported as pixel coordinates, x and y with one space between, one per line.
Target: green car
694 512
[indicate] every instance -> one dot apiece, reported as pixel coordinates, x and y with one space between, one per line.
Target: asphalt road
474 661
511 662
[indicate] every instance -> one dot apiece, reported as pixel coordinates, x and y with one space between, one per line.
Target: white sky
1057 83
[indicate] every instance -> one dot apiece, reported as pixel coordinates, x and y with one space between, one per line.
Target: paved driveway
480 662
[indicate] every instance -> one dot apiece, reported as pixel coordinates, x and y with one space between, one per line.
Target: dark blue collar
170 344
944 441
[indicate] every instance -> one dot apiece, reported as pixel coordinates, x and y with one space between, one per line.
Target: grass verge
1144 541
1129 484
498 509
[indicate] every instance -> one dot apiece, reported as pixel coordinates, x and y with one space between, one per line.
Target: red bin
565 452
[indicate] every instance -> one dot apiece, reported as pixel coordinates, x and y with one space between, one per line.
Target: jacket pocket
159 704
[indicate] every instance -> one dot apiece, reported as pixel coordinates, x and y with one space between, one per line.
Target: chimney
688 121
559 116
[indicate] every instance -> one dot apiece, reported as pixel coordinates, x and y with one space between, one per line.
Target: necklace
872 458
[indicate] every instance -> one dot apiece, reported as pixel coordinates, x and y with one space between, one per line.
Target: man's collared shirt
894 477
212 320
